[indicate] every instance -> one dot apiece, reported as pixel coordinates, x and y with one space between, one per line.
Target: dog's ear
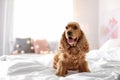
63 42
83 43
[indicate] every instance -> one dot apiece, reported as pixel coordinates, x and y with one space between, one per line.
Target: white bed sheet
104 65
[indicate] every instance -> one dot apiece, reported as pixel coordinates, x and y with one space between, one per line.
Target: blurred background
46 19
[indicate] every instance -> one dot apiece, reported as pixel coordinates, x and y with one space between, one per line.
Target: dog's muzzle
69 33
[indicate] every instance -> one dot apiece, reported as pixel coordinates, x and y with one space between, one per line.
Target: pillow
111 43
41 46
23 45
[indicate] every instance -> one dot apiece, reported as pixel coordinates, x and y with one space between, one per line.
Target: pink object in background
113 21
112 28
41 46
115 33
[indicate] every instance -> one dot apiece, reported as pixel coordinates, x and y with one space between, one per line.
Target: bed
104 64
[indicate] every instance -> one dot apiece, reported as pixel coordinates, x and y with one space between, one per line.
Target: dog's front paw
61 72
61 69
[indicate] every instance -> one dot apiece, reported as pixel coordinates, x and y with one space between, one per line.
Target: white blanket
104 65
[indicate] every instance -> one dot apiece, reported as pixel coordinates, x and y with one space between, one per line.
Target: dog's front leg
61 68
83 67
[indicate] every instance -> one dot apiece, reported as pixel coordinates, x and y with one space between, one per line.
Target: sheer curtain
6 16
41 19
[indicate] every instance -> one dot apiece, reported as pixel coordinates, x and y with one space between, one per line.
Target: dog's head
73 37
72 33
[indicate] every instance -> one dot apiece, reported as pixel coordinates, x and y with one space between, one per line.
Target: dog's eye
75 27
66 27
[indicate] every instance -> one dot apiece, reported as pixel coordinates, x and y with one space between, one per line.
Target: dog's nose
69 33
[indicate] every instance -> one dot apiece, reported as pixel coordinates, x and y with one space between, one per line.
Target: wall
86 12
109 21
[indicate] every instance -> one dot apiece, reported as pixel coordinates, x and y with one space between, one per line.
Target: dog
72 50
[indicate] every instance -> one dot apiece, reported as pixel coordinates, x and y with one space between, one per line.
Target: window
41 18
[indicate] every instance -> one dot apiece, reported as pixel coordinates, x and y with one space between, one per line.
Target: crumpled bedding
104 65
